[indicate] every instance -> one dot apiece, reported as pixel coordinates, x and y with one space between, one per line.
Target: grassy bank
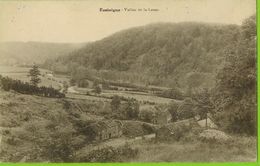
240 149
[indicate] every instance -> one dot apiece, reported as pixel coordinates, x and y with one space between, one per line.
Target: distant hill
168 54
26 53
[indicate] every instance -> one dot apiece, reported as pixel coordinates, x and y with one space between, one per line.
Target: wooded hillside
169 54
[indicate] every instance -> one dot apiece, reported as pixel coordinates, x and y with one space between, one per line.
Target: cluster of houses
167 129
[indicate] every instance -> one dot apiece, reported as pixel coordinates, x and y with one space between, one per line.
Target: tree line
32 88
8 84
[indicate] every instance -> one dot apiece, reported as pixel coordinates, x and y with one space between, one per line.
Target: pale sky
81 21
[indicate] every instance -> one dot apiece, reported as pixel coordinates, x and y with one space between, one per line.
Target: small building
49 75
104 130
207 122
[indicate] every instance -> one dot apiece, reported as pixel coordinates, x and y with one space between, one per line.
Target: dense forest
166 54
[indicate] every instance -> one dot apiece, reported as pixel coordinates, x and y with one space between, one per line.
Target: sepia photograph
128 81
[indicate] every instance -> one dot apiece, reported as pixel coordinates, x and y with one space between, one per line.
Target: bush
132 109
96 88
173 107
115 103
110 154
186 109
146 115
83 83
180 132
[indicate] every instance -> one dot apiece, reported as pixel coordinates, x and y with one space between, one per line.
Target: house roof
210 123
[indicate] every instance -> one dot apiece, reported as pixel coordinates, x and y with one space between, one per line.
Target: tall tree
235 93
115 102
202 102
34 74
172 108
96 88
132 108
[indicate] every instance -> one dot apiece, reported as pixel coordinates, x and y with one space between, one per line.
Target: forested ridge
167 54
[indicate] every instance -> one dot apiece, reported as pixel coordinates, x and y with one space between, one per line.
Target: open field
56 81
21 73
140 96
86 97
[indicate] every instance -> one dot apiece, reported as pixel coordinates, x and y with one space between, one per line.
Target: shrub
115 102
186 110
173 107
146 115
110 154
180 132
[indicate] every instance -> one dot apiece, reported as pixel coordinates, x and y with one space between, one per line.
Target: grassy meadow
240 149
21 73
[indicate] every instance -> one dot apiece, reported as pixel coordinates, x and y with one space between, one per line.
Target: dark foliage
26 88
34 74
202 102
110 154
186 109
96 88
132 108
115 102
235 93
173 109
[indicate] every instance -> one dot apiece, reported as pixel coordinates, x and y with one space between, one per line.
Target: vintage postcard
128 81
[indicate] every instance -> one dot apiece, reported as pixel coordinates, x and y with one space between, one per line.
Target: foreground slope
38 129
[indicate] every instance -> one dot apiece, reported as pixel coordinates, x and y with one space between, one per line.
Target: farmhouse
104 130
207 122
